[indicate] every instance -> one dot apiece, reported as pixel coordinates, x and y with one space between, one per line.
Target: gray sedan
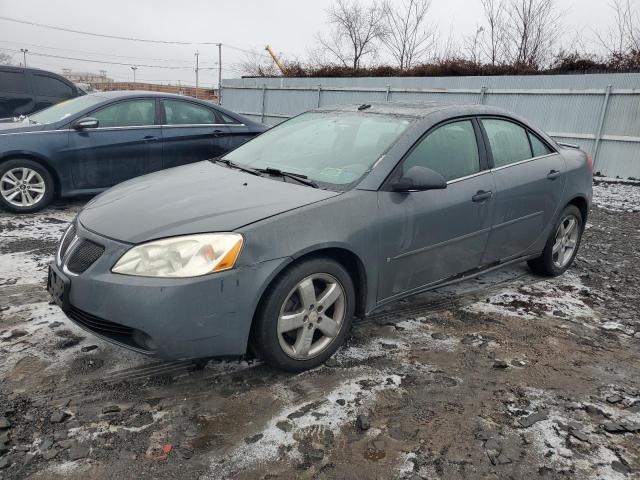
280 243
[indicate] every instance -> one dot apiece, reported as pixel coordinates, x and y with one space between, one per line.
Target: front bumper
170 318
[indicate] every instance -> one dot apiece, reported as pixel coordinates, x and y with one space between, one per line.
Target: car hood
196 198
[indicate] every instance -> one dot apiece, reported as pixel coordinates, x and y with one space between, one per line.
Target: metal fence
600 113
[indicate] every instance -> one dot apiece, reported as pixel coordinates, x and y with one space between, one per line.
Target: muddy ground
506 376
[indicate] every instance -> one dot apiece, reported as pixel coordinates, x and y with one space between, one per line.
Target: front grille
83 256
97 324
114 331
68 237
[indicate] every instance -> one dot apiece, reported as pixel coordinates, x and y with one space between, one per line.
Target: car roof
417 110
141 93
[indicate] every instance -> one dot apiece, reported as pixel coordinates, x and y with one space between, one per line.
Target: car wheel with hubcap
562 246
305 315
25 186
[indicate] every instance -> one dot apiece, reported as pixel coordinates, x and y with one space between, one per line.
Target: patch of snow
555 298
23 268
329 415
617 197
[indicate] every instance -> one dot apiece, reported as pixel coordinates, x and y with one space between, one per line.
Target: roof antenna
364 106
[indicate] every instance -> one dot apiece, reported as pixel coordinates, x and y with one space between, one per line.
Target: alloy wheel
22 187
566 241
311 316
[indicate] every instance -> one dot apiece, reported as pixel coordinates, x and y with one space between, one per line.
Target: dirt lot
506 376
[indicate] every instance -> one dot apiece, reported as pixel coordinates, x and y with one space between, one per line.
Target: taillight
590 162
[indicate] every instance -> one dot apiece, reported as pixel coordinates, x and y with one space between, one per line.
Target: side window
178 112
509 142
51 87
450 150
538 147
127 114
228 119
12 82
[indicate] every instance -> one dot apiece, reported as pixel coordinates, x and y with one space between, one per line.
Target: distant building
86 77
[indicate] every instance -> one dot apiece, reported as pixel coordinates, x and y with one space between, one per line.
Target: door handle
553 174
150 139
481 196
217 133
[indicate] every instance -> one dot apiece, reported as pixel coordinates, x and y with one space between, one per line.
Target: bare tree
356 31
258 65
532 30
407 37
624 36
5 59
493 39
473 45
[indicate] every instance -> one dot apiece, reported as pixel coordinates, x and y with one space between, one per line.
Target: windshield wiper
231 164
295 176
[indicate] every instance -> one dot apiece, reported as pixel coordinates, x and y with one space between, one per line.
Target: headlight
187 256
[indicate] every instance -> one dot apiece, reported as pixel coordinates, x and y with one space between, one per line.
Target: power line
50 55
103 35
99 53
117 37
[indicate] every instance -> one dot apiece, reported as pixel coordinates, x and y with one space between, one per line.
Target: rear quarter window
47 86
538 146
13 82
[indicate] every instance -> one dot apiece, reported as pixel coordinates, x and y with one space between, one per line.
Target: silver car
330 215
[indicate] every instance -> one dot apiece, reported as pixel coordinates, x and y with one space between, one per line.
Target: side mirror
85 123
419 179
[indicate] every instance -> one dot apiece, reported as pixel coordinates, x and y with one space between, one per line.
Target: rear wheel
305 316
562 246
25 186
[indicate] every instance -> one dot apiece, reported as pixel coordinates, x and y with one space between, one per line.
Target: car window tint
508 141
12 82
539 148
127 114
185 113
450 150
51 87
227 118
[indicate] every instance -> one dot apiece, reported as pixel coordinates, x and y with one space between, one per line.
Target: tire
300 340
36 194
549 263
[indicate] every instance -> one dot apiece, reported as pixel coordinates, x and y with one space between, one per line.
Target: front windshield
65 109
333 149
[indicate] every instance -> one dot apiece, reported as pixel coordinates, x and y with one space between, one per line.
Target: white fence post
603 115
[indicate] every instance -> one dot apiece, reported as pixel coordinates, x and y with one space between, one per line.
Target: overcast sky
288 25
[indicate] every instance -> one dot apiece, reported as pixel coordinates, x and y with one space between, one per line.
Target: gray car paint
399 243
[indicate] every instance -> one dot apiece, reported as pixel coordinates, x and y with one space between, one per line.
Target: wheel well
583 206
42 163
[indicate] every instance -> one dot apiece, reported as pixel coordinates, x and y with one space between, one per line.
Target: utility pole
197 68
219 74
24 55
134 68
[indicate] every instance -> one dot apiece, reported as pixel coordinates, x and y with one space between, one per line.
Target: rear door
529 177
126 144
430 236
49 90
15 96
192 132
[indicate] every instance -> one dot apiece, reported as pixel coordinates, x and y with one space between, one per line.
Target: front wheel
25 186
305 316
562 246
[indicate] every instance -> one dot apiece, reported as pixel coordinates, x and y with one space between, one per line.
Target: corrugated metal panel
570 107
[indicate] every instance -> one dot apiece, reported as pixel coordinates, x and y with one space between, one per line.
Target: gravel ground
506 376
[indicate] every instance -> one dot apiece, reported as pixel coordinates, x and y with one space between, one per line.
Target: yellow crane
275 59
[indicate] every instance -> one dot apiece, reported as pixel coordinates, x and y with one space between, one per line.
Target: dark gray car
327 216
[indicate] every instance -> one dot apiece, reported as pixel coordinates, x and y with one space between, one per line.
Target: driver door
427 237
